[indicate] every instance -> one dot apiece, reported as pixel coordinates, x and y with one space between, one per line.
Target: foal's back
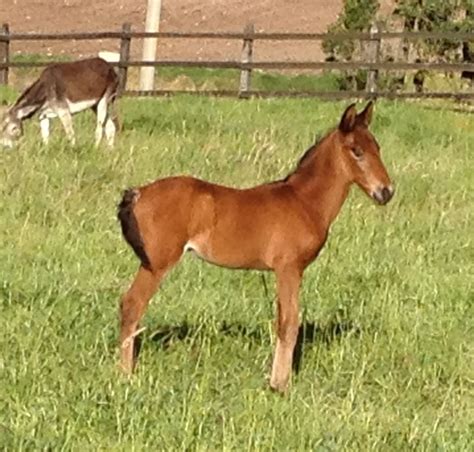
237 228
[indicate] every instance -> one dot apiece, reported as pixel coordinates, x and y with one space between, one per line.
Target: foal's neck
321 181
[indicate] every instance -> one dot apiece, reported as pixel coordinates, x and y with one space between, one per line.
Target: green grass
228 79
30 72
390 365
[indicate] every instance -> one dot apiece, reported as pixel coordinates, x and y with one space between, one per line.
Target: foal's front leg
288 284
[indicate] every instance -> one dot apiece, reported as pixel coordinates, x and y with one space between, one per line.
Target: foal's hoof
280 387
125 369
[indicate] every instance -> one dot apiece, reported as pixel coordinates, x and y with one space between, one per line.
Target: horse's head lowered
10 129
361 154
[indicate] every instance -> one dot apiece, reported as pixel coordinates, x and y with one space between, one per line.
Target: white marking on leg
132 336
199 248
44 124
101 117
110 131
190 246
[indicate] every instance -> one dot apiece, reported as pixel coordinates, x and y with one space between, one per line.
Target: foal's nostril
387 194
383 195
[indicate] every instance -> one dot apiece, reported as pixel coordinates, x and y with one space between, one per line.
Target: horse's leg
288 284
66 120
132 308
134 303
44 125
111 125
101 111
110 130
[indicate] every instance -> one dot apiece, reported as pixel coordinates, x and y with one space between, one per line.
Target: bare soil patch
177 15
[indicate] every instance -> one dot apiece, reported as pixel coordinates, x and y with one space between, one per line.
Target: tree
437 15
357 15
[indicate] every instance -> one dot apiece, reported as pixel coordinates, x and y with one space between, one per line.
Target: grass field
387 356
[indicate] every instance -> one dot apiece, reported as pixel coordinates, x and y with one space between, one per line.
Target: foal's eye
357 152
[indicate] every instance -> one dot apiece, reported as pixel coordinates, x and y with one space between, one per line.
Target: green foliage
357 15
388 355
436 15
7 94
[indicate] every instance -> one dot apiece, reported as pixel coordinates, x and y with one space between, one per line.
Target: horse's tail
129 224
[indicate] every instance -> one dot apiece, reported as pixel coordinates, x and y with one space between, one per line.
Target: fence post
152 24
247 51
4 52
124 56
373 56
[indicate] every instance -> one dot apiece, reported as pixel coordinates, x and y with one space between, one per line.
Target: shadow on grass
308 333
167 335
311 333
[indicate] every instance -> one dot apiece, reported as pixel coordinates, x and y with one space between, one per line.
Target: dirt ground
177 15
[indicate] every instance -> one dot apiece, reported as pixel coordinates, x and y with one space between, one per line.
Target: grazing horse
279 226
62 90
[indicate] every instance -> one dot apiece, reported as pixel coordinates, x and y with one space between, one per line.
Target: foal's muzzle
383 195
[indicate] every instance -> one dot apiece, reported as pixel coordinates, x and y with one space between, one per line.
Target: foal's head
361 154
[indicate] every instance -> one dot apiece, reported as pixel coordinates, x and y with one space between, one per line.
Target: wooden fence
372 64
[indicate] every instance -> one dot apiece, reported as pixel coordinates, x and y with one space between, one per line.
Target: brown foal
279 226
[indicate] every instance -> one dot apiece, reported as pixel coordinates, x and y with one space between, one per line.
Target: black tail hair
129 225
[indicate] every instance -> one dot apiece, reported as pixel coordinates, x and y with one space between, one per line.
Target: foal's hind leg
134 304
288 282
132 308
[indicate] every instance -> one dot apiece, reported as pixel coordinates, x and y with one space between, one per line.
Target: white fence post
152 24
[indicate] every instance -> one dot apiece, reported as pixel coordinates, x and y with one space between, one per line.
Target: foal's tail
129 224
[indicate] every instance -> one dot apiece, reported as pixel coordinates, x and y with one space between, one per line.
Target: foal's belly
229 252
259 246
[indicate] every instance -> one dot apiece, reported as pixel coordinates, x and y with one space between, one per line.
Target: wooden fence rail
373 64
342 36
273 65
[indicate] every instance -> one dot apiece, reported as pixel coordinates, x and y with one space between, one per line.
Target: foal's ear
365 116
348 120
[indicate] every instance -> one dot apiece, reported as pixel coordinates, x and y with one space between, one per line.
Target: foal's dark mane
307 155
